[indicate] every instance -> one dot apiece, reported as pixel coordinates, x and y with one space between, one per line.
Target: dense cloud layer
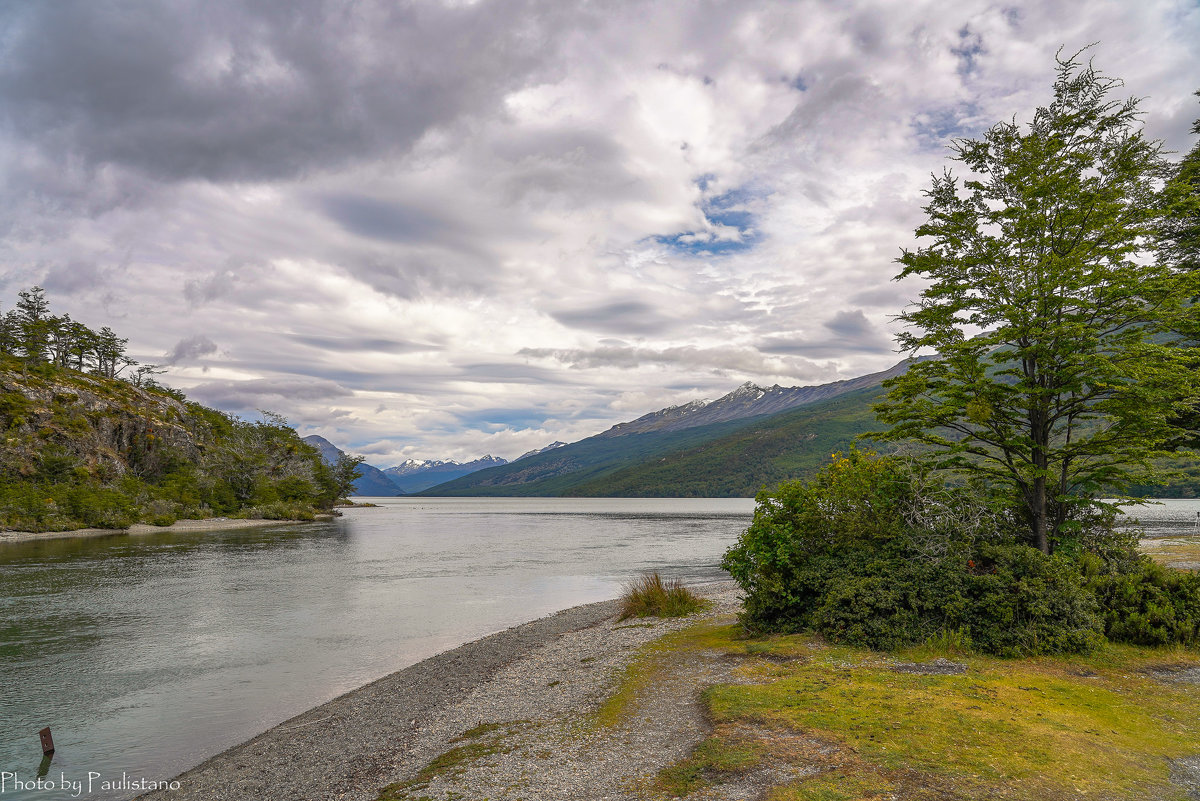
439 229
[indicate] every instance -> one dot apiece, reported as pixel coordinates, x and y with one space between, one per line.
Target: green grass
1096 726
1099 726
714 757
650 596
481 741
649 665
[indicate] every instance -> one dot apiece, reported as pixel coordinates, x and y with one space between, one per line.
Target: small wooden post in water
47 741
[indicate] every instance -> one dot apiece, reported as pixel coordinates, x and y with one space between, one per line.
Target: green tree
345 472
1180 229
1061 373
33 317
10 332
110 353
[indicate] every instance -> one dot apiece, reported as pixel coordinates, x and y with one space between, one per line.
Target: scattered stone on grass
938 667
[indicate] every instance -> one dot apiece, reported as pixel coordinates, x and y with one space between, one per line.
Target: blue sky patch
734 227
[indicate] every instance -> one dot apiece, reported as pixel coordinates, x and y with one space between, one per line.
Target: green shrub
650 596
1149 604
1023 602
805 535
872 554
278 510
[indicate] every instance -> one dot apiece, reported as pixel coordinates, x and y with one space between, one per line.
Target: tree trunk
1040 534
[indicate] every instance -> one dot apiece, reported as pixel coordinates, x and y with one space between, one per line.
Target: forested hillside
735 459
785 446
84 448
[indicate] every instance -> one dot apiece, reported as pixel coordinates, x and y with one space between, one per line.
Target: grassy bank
857 724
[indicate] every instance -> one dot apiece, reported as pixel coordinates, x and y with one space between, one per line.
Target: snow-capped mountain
536 451
417 466
748 400
415 475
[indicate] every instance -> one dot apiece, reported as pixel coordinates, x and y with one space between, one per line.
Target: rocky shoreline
207 524
534 682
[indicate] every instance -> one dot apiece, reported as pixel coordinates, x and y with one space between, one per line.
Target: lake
147 654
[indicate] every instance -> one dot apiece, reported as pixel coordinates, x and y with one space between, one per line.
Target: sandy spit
209 524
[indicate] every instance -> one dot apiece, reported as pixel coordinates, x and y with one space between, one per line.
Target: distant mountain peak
415 475
536 451
372 481
749 389
748 400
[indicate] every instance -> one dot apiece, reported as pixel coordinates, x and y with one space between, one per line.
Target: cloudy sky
444 229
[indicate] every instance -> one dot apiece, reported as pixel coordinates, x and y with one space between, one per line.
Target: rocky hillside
83 450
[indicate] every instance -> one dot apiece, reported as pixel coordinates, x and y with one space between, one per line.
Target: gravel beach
529 685
208 524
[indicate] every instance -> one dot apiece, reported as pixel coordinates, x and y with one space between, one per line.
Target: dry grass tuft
650 596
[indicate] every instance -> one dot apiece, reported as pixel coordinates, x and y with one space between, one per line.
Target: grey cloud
745 361
820 348
832 115
852 333
889 295
501 373
351 344
384 220
218 284
621 317
852 324
262 392
190 349
414 274
566 167
223 90
74 277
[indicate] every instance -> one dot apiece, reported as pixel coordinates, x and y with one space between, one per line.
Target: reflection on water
146 654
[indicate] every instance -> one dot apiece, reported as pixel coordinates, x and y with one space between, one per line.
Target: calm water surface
147 654
1169 518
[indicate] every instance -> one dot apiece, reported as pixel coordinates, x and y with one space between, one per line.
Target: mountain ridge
581 467
416 475
373 482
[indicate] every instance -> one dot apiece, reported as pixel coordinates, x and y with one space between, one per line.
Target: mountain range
413 475
416 475
728 447
372 482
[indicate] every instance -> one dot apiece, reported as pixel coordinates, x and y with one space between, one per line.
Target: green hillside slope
734 459
790 445
729 459
555 472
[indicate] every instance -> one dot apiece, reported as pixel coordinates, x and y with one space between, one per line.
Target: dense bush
872 553
1148 604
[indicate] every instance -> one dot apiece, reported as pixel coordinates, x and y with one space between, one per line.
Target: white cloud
439 230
